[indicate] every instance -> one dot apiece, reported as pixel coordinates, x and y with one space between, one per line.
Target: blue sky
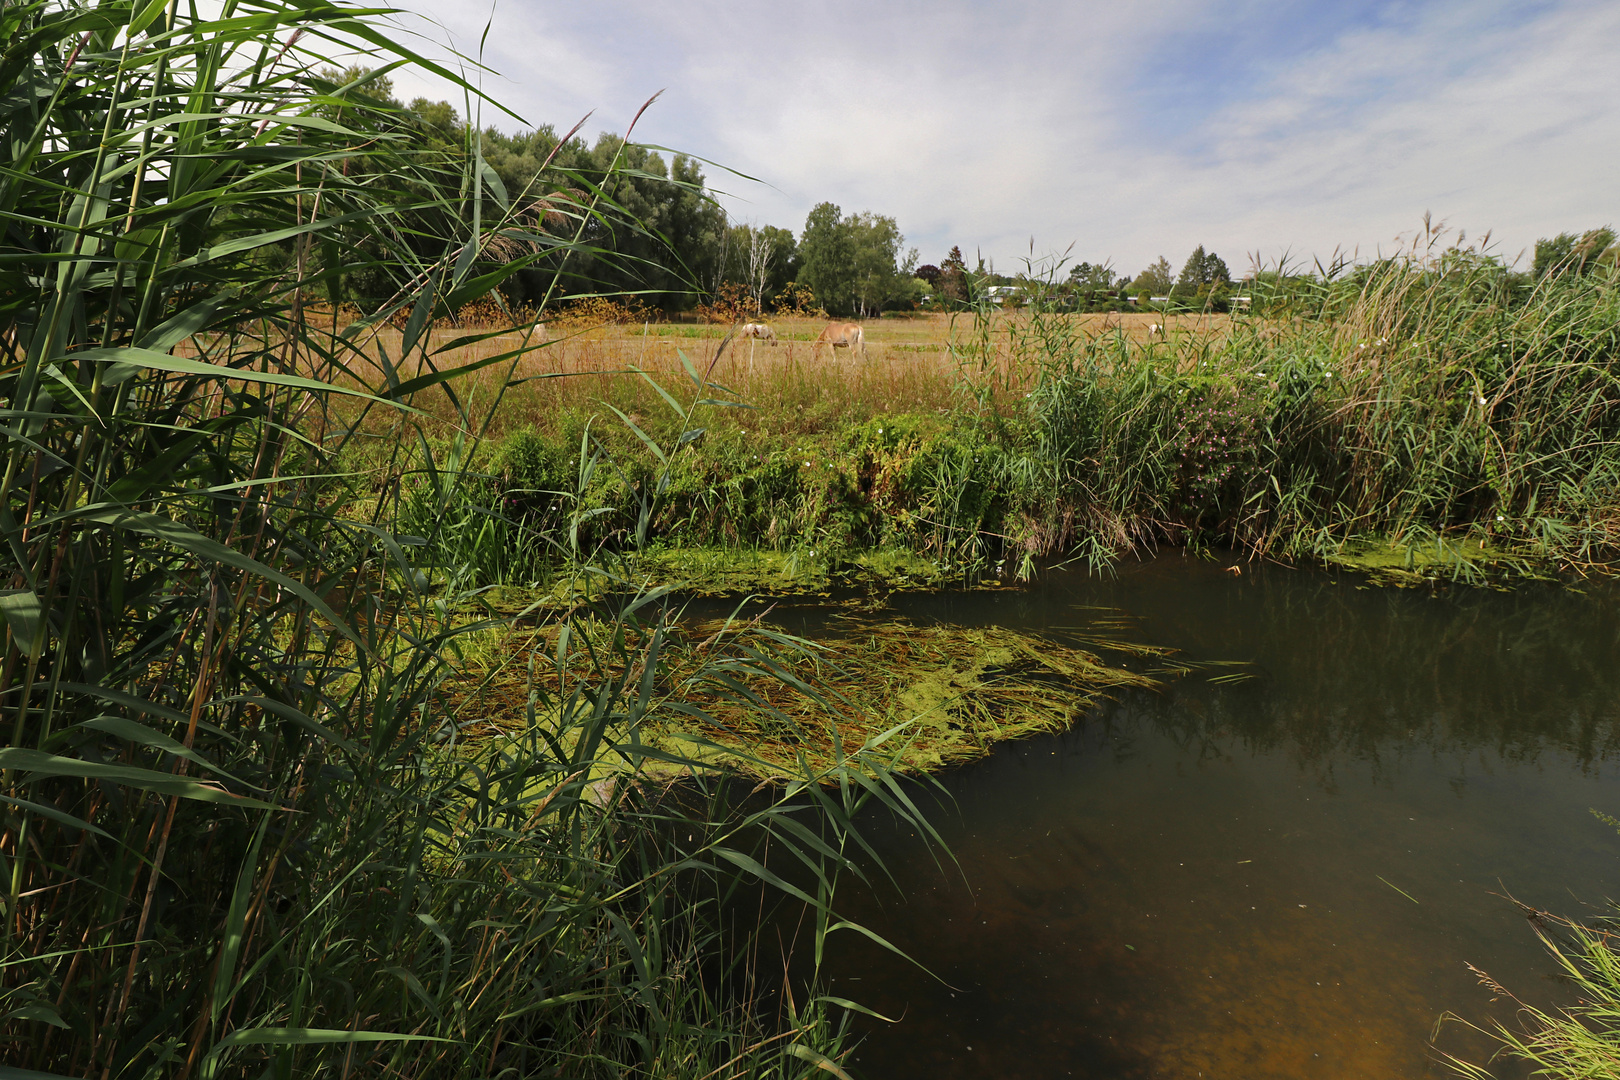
1128 130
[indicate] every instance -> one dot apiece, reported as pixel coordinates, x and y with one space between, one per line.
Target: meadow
911 363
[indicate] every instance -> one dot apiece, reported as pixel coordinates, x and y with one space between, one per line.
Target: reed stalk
240 835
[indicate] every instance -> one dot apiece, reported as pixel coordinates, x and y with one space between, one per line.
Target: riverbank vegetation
1580 1040
1432 415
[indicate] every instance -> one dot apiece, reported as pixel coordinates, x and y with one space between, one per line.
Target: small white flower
1482 401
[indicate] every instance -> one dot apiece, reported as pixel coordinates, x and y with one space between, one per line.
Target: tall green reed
1432 397
241 834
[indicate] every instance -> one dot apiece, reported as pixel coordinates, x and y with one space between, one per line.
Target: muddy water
1282 877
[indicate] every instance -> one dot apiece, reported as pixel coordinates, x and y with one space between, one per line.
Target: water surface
1284 877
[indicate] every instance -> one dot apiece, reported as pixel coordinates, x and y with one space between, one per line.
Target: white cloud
1123 127
1512 129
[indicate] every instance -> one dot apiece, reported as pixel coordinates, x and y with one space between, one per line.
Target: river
1283 876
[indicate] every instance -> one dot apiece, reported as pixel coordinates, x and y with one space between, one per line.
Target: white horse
842 336
758 330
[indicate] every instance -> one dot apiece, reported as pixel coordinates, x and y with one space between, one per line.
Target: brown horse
842 336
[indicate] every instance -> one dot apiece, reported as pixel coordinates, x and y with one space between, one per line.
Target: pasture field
914 363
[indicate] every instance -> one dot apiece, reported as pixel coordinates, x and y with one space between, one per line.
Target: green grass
1580 1041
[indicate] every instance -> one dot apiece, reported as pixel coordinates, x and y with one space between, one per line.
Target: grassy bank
1429 415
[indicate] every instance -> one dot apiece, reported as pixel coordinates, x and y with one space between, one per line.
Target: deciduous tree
854 263
1155 280
1090 279
676 246
764 258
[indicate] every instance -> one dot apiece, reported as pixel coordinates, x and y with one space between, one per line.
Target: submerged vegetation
873 689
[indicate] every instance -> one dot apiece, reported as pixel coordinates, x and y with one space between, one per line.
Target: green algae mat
742 695
1409 564
716 571
738 572
917 697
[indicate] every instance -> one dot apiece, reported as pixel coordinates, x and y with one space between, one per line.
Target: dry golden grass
910 365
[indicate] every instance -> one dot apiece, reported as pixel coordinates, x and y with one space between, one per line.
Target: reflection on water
1279 878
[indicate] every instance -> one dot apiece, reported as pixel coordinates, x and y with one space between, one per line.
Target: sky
1121 131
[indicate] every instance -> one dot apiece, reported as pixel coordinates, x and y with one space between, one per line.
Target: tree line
650 229
636 225
1204 281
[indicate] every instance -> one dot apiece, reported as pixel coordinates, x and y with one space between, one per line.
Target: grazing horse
842 336
758 330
